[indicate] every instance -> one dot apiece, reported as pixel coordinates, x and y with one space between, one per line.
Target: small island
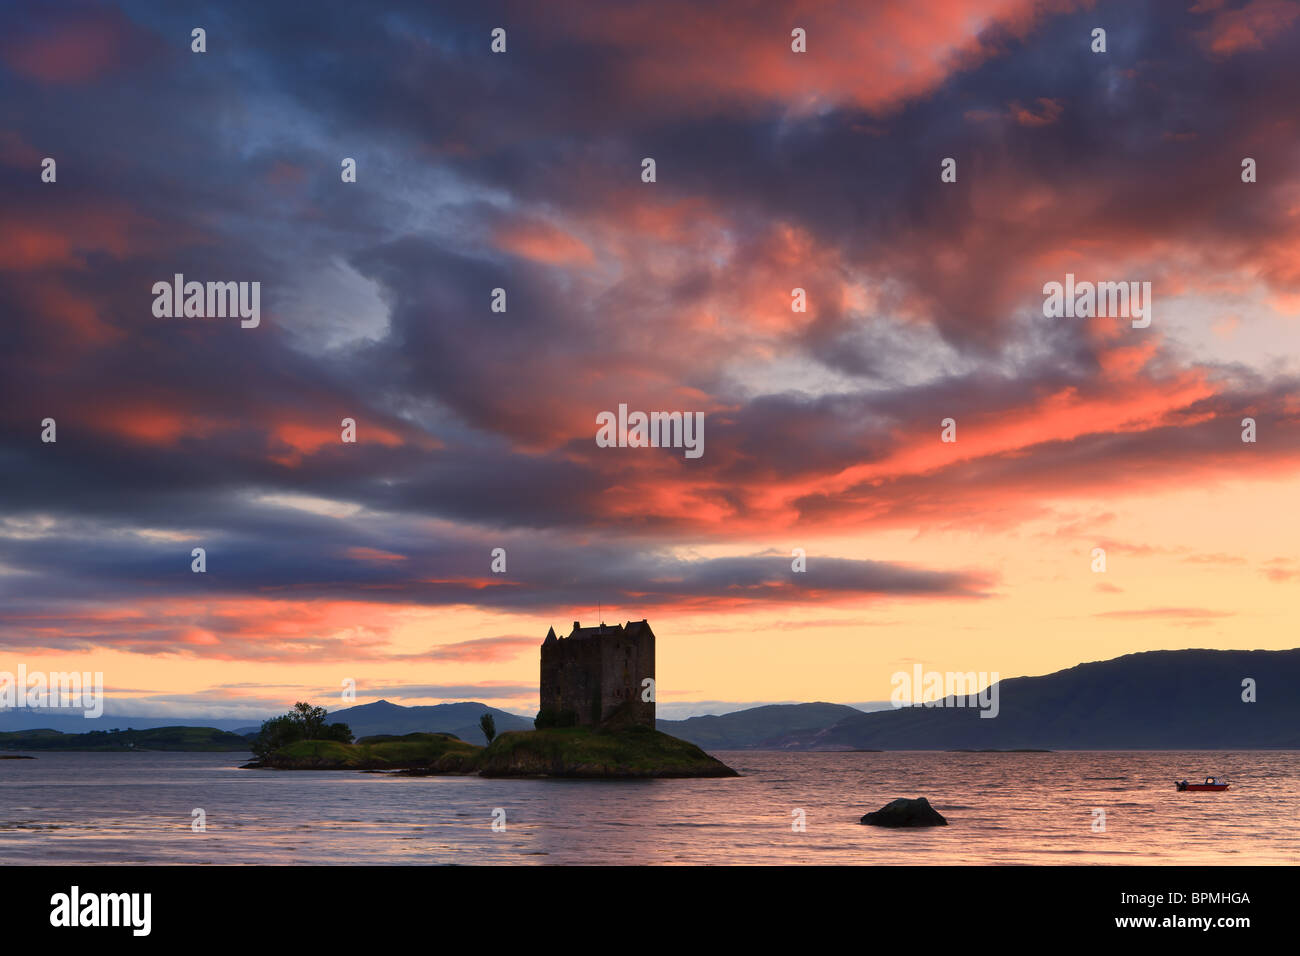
563 752
595 752
597 720
427 753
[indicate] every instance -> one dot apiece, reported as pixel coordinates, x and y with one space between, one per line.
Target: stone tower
595 676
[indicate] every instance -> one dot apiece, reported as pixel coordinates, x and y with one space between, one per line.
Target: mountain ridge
460 718
1150 700
745 729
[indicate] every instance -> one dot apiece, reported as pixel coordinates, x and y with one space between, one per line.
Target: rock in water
906 813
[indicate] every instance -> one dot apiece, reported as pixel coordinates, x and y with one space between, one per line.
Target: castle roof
600 630
633 629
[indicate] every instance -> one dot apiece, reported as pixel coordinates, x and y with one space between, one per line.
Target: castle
596 674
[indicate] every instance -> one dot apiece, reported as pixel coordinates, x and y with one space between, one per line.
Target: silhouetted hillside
461 719
745 729
154 738
1157 700
74 722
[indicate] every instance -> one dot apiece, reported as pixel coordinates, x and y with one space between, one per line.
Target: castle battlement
595 675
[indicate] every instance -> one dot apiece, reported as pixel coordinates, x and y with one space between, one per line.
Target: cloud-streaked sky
476 429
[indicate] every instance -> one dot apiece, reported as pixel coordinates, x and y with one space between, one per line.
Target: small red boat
1213 784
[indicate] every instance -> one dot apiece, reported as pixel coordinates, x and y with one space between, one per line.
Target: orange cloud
543 242
1048 112
875 55
1248 27
146 424
61 235
229 629
26 246
73 48
293 440
483 650
373 554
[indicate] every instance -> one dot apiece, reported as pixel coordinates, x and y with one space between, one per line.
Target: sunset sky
522 170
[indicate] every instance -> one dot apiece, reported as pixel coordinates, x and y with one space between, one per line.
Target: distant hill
72 721
1157 700
190 739
364 720
747 729
382 717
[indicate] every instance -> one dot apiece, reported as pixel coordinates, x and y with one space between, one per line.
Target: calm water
1002 808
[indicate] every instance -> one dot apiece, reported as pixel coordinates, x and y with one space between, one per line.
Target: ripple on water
1002 808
